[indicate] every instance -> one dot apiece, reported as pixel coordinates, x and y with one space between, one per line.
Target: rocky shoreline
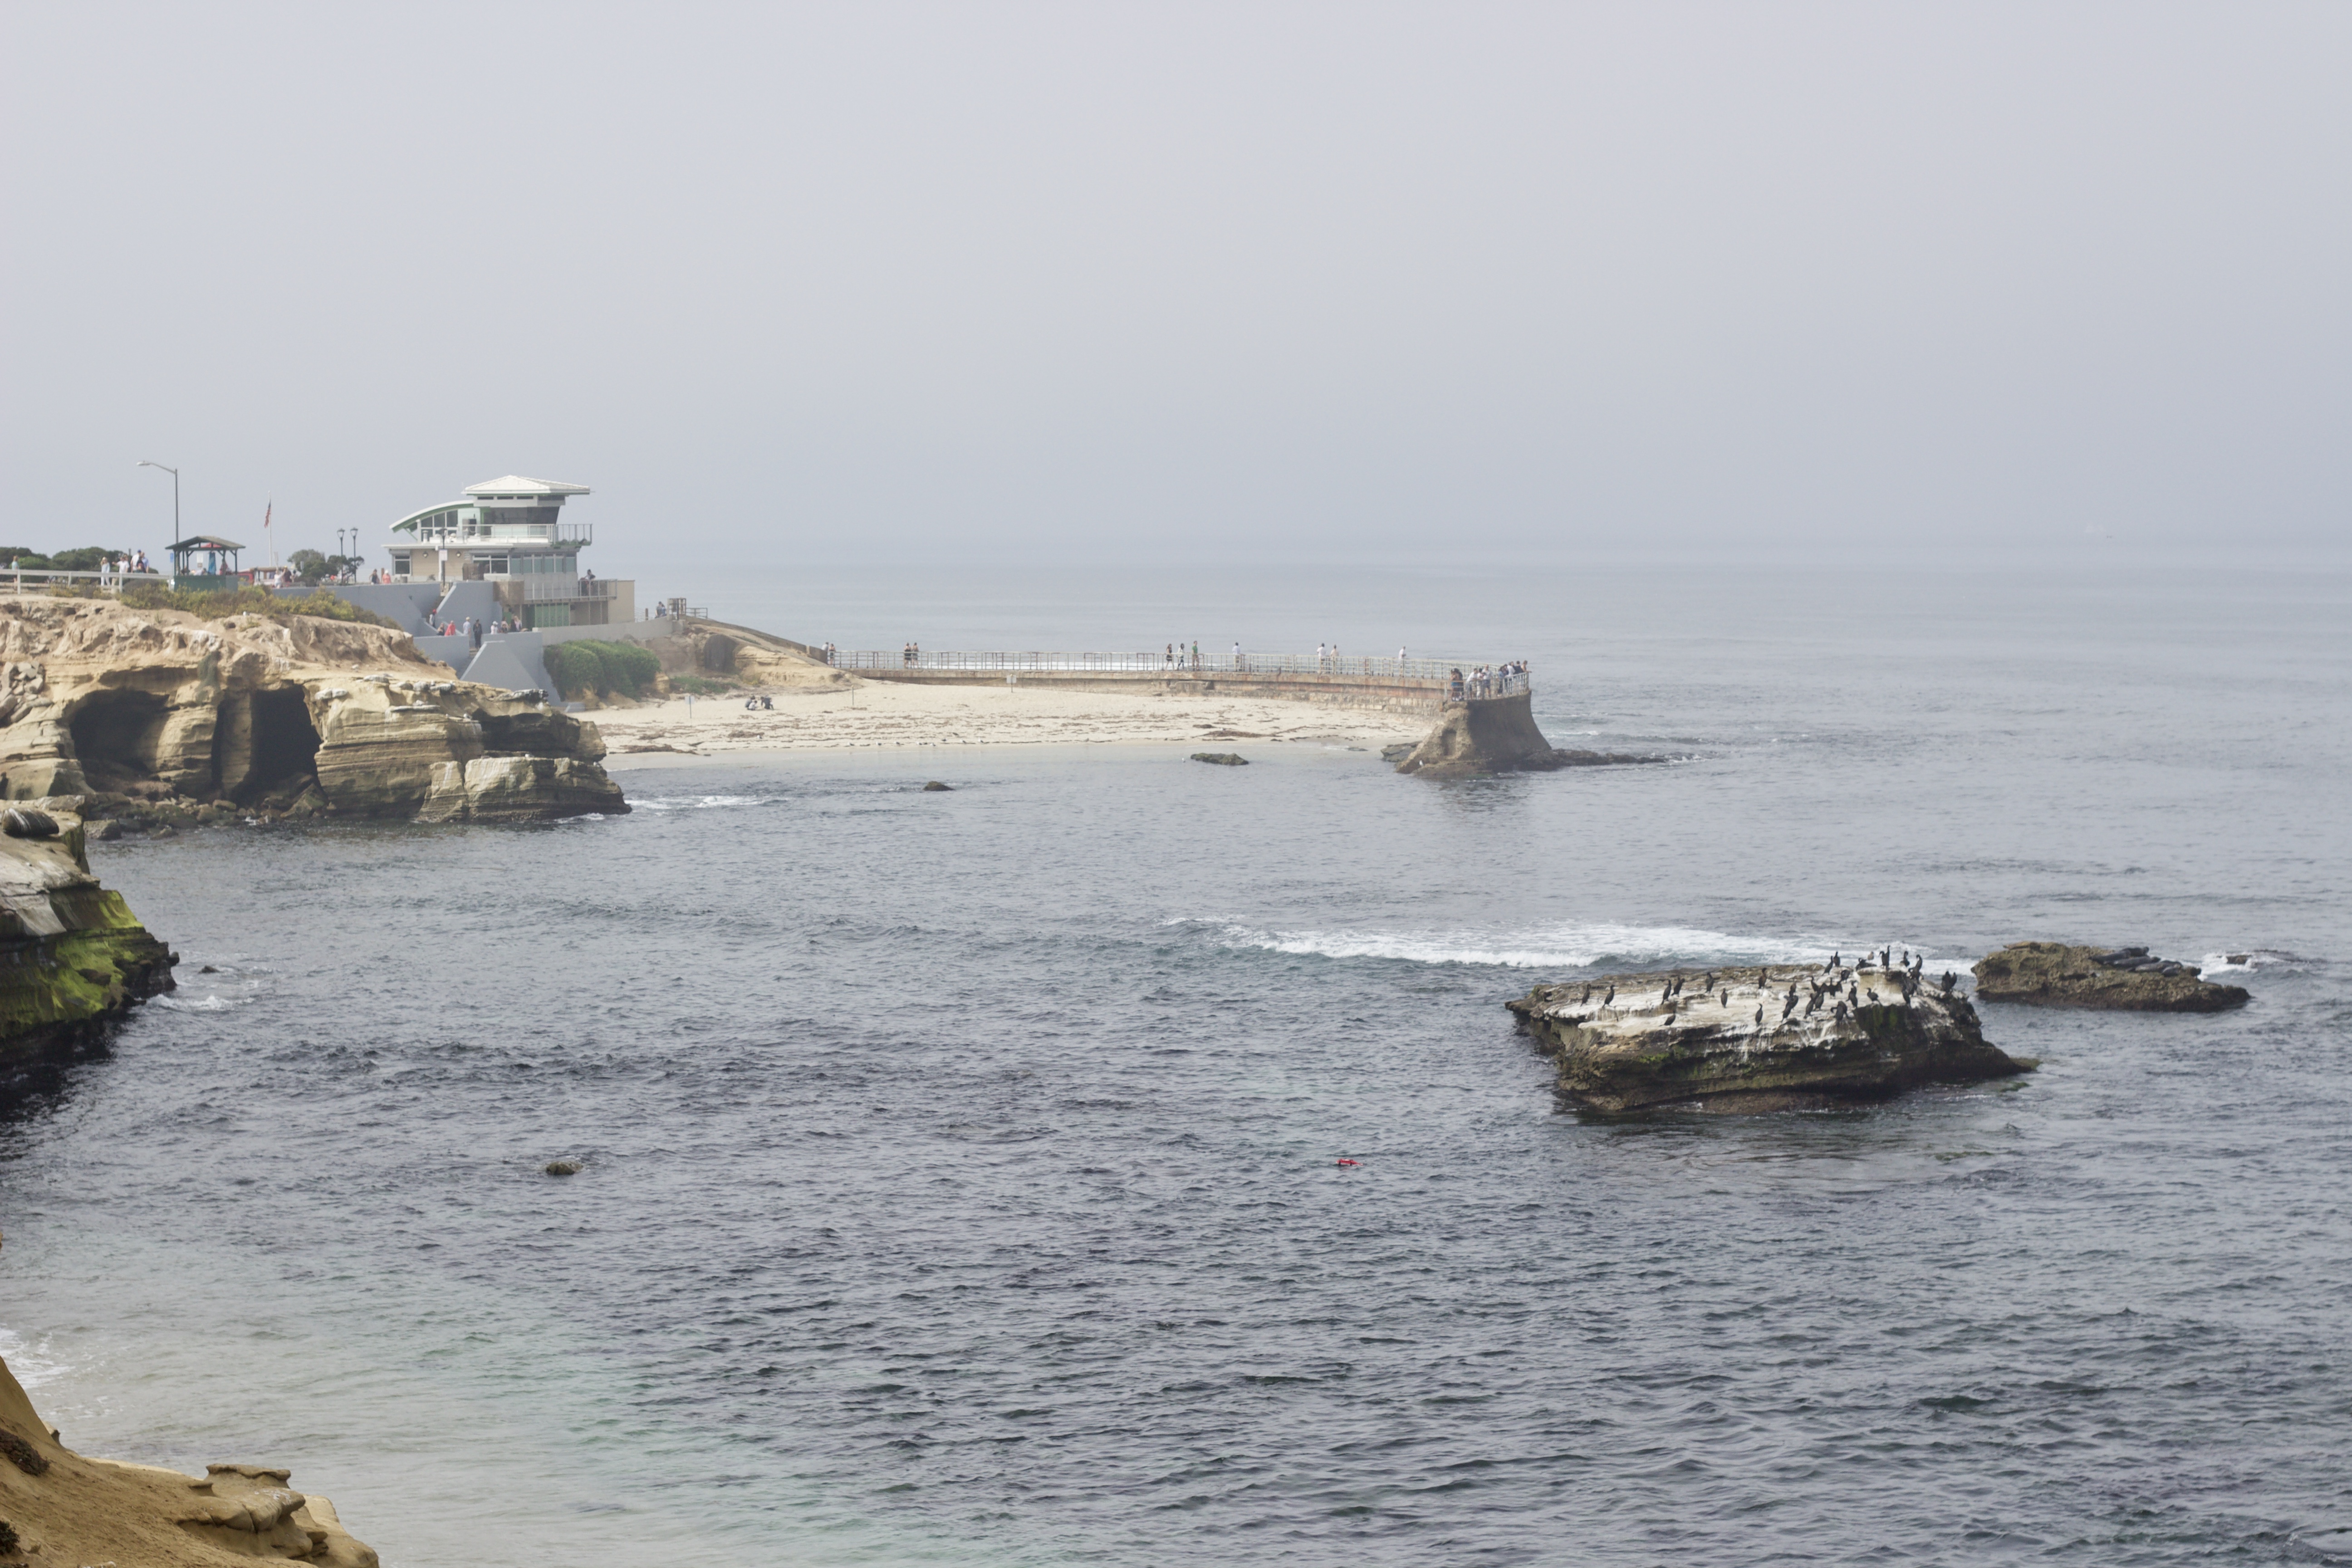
1769 1037
158 718
63 1508
73 958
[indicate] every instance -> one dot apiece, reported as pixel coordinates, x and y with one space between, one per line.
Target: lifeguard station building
511 533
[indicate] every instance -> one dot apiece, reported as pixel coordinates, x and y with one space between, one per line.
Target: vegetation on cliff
587 667
73 957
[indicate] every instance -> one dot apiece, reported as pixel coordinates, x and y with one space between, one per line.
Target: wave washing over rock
159 717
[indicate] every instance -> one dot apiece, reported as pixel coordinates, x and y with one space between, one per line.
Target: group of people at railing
1497 681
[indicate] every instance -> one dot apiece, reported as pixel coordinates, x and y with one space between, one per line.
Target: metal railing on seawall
41 577
1267 665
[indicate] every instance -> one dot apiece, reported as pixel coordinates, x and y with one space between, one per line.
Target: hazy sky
1111 282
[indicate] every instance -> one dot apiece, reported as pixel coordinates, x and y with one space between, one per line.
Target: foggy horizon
1039 284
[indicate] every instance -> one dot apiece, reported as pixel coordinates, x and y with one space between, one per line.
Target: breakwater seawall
1405 685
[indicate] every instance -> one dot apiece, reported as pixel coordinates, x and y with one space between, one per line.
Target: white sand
877 713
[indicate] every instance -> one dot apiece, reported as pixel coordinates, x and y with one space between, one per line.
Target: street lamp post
144 463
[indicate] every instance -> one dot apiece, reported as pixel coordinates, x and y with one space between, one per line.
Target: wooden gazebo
207 563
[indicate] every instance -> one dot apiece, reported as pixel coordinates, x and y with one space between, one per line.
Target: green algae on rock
72 956
1775 1037
2055 974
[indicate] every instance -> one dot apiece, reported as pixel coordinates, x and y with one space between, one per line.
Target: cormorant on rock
1834 960
1727 995
1707 984
1873 997
1759 1013
1948 978
1840 1013
1610 997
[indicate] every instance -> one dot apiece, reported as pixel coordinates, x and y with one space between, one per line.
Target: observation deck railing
1297 666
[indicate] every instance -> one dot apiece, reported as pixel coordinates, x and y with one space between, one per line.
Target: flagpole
273 537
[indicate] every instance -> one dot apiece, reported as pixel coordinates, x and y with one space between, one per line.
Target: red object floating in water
1350 1162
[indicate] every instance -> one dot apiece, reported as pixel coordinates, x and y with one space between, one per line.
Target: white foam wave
697 802
1544 947
2246 963
213 1003
31 1362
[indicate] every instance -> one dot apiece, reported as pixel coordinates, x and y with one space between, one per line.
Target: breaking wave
213 1003
1542 947
698 801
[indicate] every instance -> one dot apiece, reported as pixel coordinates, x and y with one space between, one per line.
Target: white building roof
516 484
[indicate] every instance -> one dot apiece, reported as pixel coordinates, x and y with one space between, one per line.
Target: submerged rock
73 957
1221 759
1496 735
2054 975
1780 1037
563 1167
936 788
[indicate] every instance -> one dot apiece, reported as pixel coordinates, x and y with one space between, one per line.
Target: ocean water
961 1168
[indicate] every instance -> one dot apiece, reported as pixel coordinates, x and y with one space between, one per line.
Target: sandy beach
878 714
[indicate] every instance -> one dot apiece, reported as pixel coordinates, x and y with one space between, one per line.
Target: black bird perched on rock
1834 961
1610 997
1760 1011
1948 978
1727 995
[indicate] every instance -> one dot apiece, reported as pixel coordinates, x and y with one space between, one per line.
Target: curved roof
516 484
422 513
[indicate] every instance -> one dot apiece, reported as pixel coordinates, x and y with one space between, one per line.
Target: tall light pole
144 463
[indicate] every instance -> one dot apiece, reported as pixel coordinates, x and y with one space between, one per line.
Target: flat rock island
1770 1038
2124 979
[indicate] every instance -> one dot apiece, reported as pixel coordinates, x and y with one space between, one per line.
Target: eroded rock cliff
59 1506
72 956
1498 735
2054 974
1775 1038
158 715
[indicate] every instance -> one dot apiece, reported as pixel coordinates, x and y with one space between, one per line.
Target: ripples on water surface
961 1179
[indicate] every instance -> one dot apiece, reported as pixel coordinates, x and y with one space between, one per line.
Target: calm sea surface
961 1177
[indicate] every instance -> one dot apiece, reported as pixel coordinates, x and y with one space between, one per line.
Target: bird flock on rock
1836 984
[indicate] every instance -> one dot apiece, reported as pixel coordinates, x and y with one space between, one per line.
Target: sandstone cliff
158 714
1777 1037
59 1508
72 956
1496 735
2054 975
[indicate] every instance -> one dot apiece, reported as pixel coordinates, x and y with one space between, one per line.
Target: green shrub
588 666
575 669
321 606
701 685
